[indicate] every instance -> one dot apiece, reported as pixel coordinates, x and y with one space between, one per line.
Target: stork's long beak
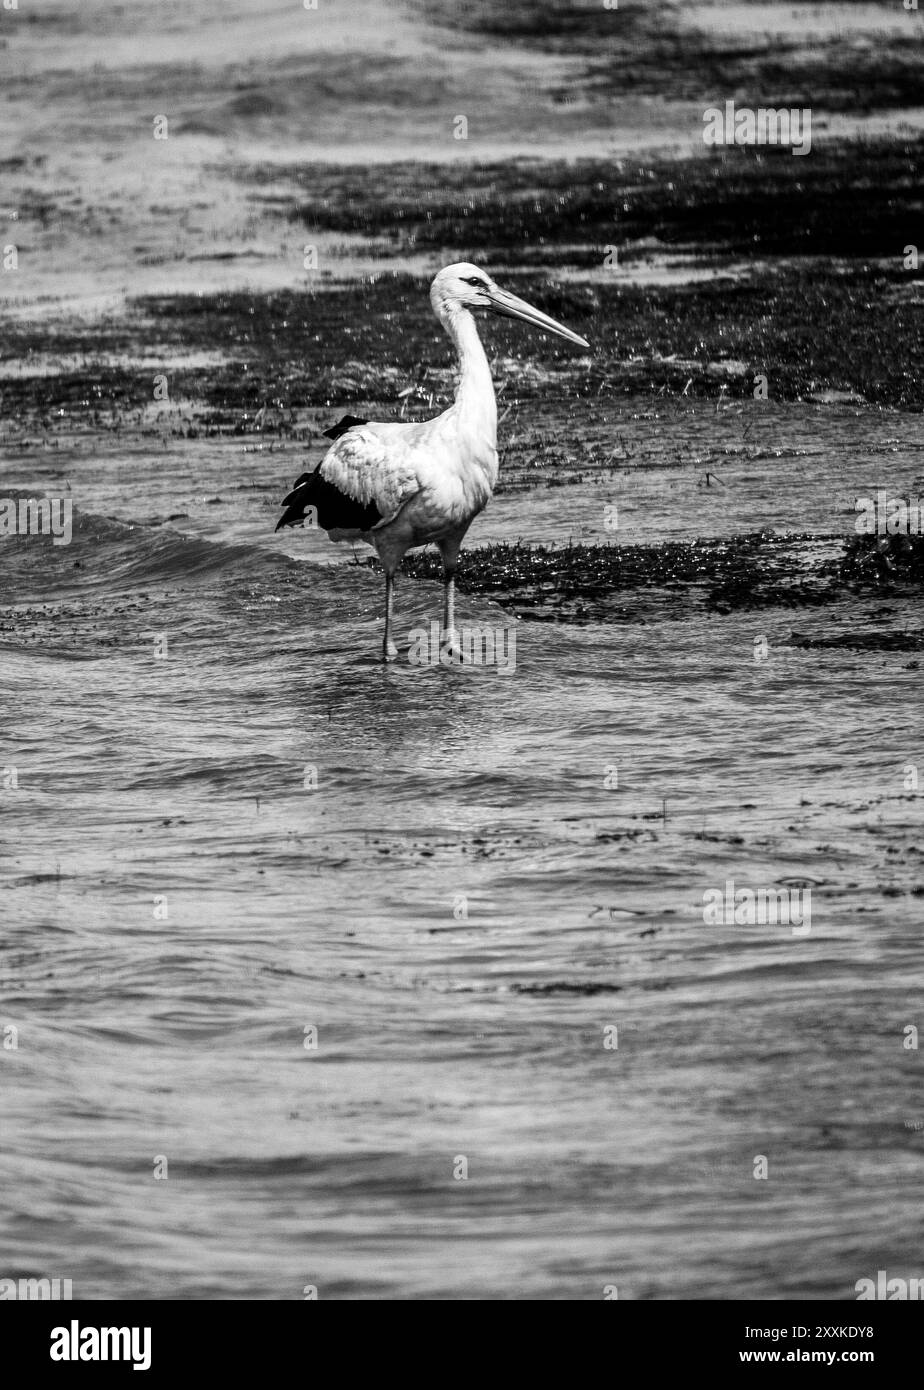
513 308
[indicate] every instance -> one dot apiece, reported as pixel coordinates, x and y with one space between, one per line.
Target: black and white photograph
461 562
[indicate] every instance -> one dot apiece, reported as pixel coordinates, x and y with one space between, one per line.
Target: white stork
397 485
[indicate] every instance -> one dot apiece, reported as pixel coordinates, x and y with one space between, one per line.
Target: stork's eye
474 280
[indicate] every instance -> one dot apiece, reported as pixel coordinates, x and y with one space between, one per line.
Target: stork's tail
311 490
299 500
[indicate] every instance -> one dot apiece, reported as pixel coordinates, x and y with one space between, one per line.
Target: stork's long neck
475 401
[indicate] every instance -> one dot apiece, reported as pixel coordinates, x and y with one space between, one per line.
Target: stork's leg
449 549
449 601
451 647
389 650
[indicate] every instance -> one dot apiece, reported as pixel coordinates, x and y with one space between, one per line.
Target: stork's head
464 286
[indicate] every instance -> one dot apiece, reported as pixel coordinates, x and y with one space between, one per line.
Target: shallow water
459 906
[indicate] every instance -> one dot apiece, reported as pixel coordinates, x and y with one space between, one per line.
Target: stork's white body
425 482
430 479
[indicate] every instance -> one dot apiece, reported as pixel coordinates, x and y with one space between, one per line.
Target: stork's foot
451 648
389 651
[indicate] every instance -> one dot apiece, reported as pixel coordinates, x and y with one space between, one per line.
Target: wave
103 553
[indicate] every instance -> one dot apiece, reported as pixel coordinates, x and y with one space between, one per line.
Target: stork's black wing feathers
342 425
295 486
336 510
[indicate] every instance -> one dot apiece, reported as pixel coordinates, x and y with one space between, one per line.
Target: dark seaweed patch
877 559
856 198
906 641
650 50
581 989
593 583
809 329
828 320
